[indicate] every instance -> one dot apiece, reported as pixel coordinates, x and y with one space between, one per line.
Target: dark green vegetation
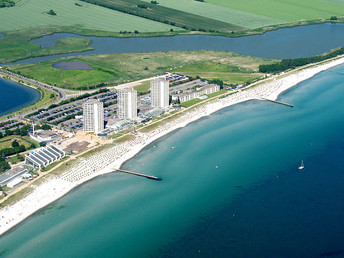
51 12
120 68
17 141
15 45
167 15
286 64
4 165
6 3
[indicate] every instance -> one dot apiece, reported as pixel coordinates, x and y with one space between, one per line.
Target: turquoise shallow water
255 204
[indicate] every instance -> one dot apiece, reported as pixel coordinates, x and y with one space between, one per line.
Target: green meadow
287 10
114 69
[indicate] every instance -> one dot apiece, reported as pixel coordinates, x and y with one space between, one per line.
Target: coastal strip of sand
106 161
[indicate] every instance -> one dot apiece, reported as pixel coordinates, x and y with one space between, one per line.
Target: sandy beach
106 161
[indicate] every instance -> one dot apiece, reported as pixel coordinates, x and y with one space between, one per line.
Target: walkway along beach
110 159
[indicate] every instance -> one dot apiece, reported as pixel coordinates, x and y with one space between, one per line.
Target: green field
121 68
183 19
33 14
286 10
240 18
229 74
143 87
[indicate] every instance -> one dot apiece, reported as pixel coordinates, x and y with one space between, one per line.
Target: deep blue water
302 41
255 204
15 96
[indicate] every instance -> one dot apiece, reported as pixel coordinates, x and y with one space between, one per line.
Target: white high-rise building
93 116
159 92
127 104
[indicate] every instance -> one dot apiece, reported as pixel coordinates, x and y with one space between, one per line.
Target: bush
51 12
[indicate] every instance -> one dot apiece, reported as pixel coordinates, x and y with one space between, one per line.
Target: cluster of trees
24 130
6 3
16 148
3 165
286 64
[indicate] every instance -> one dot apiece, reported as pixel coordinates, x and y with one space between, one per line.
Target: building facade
127 104
93 112
159 92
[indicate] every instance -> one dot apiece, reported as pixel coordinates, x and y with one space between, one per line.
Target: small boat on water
302 166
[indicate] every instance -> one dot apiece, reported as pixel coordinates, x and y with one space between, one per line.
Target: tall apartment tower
127 104
159 92
93 116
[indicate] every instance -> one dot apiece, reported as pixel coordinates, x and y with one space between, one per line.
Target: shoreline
112 158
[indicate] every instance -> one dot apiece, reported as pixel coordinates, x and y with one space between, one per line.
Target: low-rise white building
44 156
211 88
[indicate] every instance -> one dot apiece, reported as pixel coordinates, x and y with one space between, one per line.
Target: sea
230 187
15 96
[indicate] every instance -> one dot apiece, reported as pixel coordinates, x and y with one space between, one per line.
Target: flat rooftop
11 174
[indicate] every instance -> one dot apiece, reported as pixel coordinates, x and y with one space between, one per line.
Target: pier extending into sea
138 174
278 102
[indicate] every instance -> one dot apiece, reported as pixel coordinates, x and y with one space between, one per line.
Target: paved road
61 92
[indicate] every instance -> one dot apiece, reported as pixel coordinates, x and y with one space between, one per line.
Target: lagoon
256 203
15 96
301 41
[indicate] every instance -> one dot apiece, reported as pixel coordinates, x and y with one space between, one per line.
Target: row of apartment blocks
93 111
211 88
93 114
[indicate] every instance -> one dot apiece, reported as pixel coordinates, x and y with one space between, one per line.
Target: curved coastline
30 92
56 188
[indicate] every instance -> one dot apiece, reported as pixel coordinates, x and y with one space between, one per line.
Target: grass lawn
229 74
286 10
144 87
22 140
121 68
33 13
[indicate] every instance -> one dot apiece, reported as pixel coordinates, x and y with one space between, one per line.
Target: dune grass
121 68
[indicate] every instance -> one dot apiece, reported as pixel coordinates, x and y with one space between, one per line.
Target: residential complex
211 88
93 116
127 104
159 92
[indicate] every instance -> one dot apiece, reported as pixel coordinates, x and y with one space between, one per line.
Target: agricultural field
163 14
121 68
240 18
287 10
33 13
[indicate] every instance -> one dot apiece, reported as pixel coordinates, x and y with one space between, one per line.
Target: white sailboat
302 166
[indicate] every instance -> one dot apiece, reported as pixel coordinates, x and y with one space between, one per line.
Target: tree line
286 64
